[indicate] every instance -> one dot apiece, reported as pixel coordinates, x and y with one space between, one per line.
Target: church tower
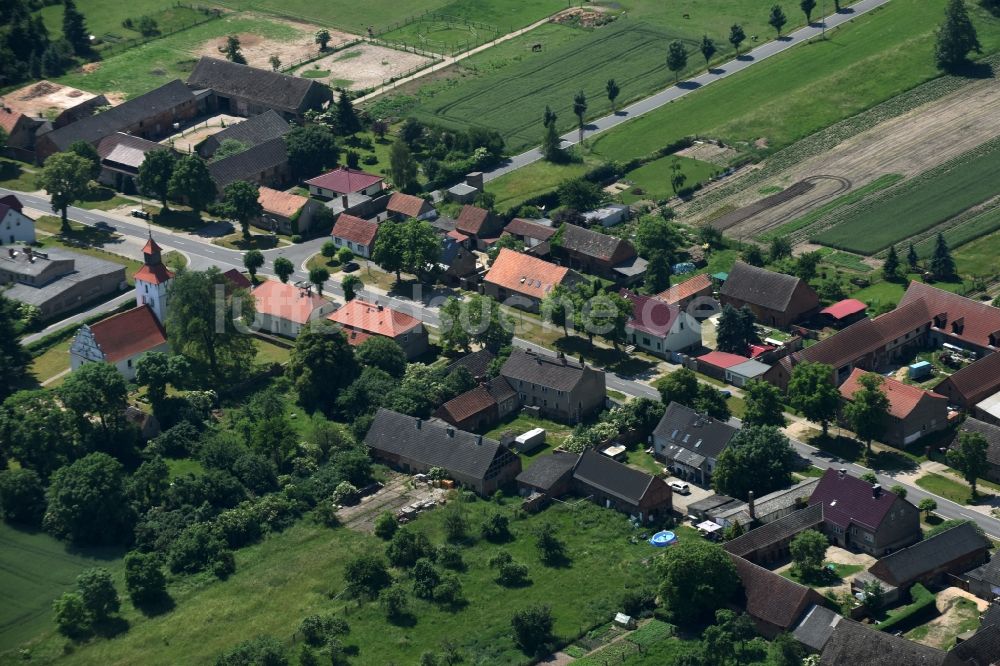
152 280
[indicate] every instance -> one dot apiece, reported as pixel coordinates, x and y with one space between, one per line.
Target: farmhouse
15 226
844 312
355 234
528 232
524 280
480 407
41 107
617 486
991 433
684 293
855 643
57 280
550 475
857 514
776 299
660 328
481 225
690 443
242 90
770 542
404 206
120 340
768 508
20 131
961 321
415 446
559 388
265 164
361 320
251 132
285 212
284 309
953 551
913 412
477 363
121 156
973 383
599 254
775 603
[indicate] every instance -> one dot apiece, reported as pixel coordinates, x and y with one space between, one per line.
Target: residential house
529 232
264 164
523 281
459 264
247 91
344 180
697 290
991 433
416 446
599 254
285 309
862 516
477 363
617 486
770 542
480 407
844 312
251 132
404 206
20 133
690 443
964 322
855 643
550 475
658 328
933 560
775 603
15 226
767 508
913 412
973 383
152 115
237 279
285 212
355 234
559 388
361 320
482 226
776 299
57 280
121 156
121 340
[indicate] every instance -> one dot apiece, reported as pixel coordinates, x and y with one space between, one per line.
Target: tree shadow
688 85
784 38
716 70
154 607
111 627
746 57
558 561
454 606
406 619
972 70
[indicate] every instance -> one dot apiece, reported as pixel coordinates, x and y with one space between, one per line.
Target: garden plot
258 49
363 66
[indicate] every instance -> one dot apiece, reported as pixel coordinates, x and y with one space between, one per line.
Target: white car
680 487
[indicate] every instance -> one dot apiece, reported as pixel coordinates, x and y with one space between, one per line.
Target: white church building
123 338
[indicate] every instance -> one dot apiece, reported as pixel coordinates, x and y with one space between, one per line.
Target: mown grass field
35 569
961 235
980 257
299 572
346 15
105 17
653 178
918 204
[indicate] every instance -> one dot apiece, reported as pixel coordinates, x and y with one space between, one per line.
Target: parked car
140 213
680 487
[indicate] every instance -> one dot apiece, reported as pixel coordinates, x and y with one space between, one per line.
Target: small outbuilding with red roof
844 312
659 328
361 320
699 287
913 412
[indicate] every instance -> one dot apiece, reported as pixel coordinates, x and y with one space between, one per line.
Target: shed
530 440
739 375
608 216
845 311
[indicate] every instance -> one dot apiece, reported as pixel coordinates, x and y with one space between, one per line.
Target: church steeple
151 253
152 279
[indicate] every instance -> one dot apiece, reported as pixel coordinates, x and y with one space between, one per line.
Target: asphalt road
687 86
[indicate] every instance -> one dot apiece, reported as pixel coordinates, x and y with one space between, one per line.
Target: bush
496 527
318 629
196 548
369 160
532 628
260 651
385 525
912 614
450 557
144 579
22 496
512 574
406 547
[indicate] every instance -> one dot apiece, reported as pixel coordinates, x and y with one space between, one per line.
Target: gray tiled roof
477 363
683 428
988 573
561 374
989 432
547 470
908 564
779 530
980 650
255 131
592 243
816 627
612 477
759 286
856 644
430 443
271 89
779 500
248 164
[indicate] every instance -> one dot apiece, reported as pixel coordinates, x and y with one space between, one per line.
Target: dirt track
907 145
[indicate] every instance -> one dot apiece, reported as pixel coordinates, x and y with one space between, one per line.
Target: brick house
121 157
991 433
913 412
528 232
560 388
692 290
953 551
344 181
288 213
361 320
770 542
264 164
775 603
776 299
355 234
480 407
614 485
866 517
481 225
524 280
550 475
609 257
404 206
973 383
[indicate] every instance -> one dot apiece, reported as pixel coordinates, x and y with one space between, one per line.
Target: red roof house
404 206
119 339
684 292
775 603
480 224
284 309
345 181
913 412
845 309
237 279
529 278
660 328
369 319
355 234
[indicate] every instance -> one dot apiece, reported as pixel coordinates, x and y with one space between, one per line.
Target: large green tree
155 371
38 431
75 28
580 111
758 458
708 50
763 404
87 501
736 36
283 268
807 7
14 358
98 394
808 550
697 578
613 90
97 590
737 330
942 263
533 628
88 152
240 201
680 386
677 58
402 167
207 320
382 353
144 578
22 497
321 365
956 37
65 177
390 248
811 391
969 457
191 182
777 19
155 172
867 412
311 149
488 325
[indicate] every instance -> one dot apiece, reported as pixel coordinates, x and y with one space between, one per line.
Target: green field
980 257
918 204
653 178
346 15
145 67
104 19
299 572
965 232
531 181
34 570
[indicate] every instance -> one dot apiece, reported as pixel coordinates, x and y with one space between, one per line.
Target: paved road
687 86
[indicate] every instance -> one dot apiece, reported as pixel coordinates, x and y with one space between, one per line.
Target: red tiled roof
286 301
686 289
237 279
722 359
373 319
355 229
651 315
12 201
848 499
978 320
771 597
344 181
522 227
525 275
132 332
467 404
977 381
151 247
280 203
155 274
471 219
405 204
457 235
844 308
903 398
355 337
757 350
8 119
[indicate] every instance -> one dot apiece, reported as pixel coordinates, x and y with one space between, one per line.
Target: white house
355 234
15 226
660 328
283 309
342 181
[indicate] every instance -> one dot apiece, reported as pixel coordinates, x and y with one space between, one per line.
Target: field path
447 61
681 89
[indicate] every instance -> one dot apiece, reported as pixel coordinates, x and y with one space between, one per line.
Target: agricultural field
980 258
916 205
299 572
37 569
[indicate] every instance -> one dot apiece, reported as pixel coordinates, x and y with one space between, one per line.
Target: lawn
881 293
652 180
531 181
347 15
104 19
183 466
268 352
15 176
36 569
980 257
556 434
299 572
145 67
53 361
945 487
918 204
835 577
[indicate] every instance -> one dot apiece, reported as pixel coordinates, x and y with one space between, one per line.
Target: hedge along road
687 86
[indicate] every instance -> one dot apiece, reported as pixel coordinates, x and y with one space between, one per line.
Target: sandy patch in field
366 65
709 152
908 144
942 630
258 49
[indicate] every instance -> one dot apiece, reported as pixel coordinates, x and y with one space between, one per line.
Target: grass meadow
653 178
104 19
299 572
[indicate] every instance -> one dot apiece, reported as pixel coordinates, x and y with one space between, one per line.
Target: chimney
380 307
842 472
475 179
418 422
11 252
750 507
876 491
479 440
343 201
451 431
